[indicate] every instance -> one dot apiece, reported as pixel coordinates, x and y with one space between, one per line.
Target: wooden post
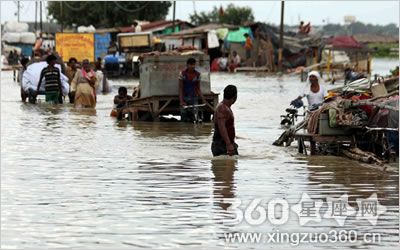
173 17
315 56
281 37
328 64
369 65
357 68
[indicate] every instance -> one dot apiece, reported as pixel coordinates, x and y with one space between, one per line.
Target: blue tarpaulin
101 43
26 49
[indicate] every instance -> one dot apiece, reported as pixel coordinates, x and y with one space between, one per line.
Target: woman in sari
84 86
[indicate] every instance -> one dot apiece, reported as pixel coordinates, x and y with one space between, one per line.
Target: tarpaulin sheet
31 76
237 36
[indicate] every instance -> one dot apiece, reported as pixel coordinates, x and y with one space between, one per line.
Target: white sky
374 12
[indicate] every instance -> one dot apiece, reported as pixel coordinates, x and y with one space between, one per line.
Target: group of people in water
82 81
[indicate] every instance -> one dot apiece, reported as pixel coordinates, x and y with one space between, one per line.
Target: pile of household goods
16 36
365 111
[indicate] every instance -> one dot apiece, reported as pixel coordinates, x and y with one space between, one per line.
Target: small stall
158 91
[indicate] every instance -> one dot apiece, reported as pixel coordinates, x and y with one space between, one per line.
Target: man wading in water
189 88
224 125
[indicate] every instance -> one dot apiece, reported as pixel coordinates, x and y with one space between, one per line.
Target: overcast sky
318 12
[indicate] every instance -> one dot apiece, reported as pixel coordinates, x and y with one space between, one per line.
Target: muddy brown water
78 179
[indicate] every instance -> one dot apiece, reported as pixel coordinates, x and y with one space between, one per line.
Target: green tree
231 15
237 15
205 17
107 14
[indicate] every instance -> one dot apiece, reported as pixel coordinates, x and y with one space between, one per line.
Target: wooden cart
152 108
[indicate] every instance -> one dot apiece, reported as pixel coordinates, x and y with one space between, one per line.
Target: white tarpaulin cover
212 39
31 77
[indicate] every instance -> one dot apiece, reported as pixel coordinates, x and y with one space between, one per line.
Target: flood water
78 179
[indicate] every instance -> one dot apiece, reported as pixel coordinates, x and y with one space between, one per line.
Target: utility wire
131 10
81 7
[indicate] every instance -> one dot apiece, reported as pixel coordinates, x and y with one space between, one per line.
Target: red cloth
368 109
232 67
215 65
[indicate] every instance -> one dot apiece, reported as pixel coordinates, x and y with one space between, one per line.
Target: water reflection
335 176
171 129
223 181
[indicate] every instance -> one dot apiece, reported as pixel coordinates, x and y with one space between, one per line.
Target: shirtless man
224 125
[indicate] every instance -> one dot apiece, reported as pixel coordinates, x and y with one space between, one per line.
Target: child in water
121 100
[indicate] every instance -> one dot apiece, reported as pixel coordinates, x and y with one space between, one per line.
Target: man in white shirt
234 62
223 63
314 91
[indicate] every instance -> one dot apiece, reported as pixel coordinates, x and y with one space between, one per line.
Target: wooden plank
165 105
251 69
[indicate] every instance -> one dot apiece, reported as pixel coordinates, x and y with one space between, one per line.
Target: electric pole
18 10
36 7
62 17
40 18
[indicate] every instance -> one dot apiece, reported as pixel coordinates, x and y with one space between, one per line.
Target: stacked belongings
366 111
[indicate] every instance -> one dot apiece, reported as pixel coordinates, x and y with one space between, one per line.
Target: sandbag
12 37
28 37
14 26
31 78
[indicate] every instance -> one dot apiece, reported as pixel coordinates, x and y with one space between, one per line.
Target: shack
298 50
206 38
358 55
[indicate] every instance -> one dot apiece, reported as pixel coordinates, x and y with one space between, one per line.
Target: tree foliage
107 13
231 15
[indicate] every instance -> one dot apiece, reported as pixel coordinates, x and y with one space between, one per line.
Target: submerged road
81 179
